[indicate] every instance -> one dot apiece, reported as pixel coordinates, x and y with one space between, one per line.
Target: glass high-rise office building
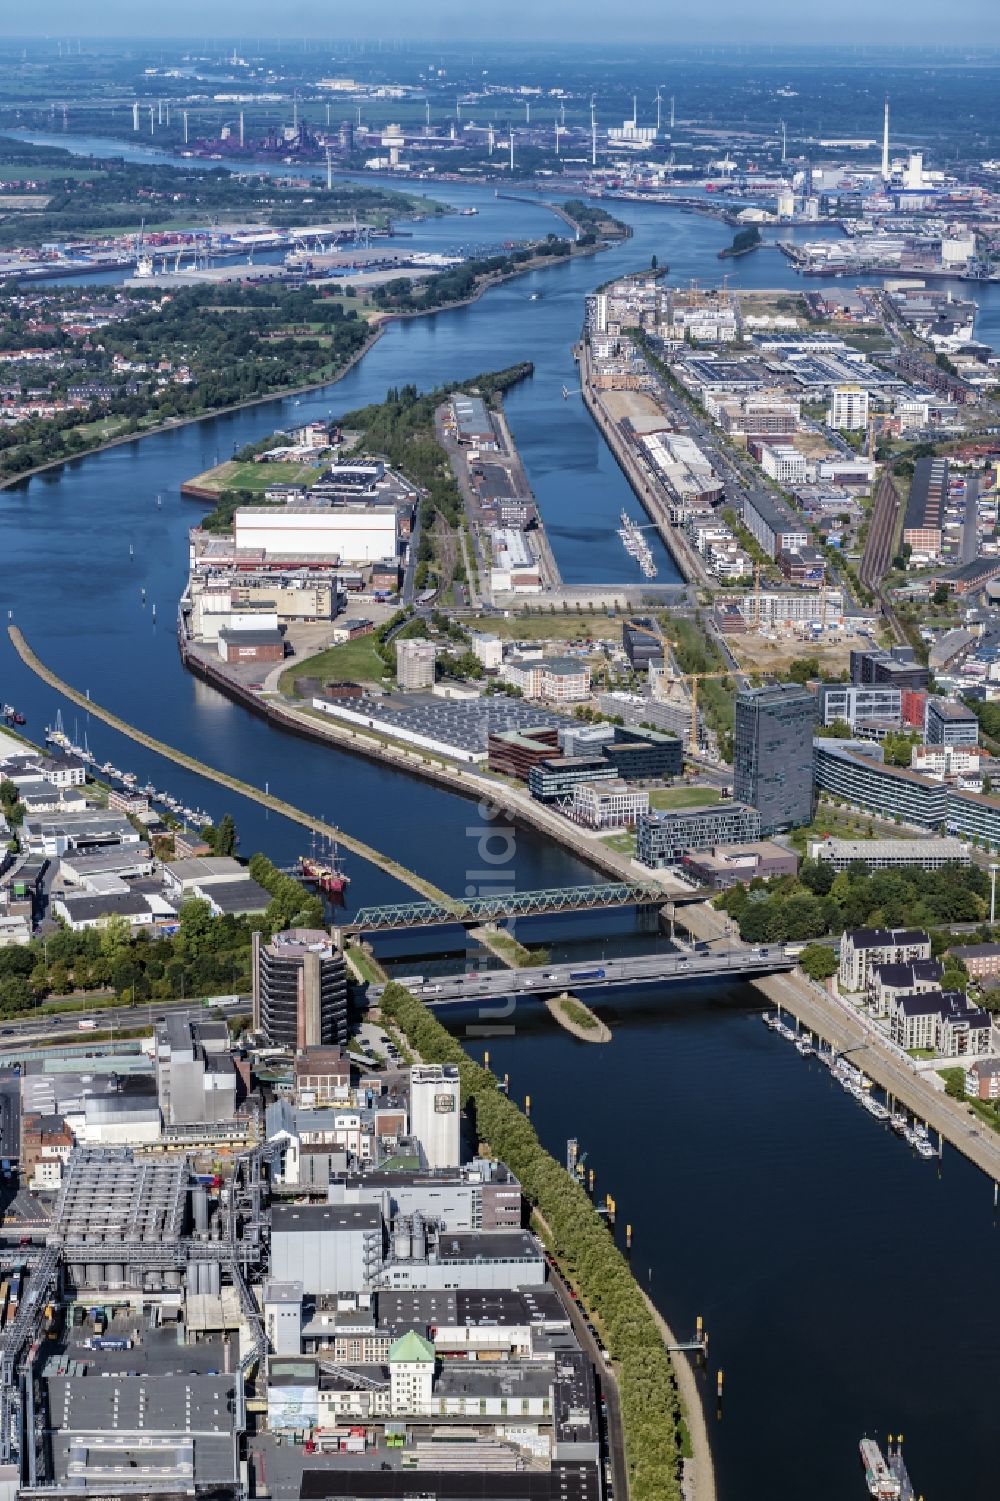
772 761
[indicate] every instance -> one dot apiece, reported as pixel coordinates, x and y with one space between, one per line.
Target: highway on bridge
736 962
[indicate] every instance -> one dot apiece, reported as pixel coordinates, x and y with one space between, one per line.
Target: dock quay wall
518 807
674 540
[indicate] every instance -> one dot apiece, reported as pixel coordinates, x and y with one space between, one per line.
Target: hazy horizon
901 23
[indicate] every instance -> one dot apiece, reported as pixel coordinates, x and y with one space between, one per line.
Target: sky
660 22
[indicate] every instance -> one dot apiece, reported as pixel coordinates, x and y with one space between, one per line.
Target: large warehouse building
350 533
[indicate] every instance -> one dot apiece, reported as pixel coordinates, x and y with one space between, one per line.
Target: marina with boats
855 1082
636 545
56 736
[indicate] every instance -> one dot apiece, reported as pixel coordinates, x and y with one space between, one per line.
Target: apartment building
863 949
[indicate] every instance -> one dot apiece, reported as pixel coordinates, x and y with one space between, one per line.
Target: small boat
925 1149
534 296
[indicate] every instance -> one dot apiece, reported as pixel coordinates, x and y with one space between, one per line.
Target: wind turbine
659 107
593 130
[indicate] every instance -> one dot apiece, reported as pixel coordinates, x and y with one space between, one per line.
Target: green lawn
623 841
561 625
258 477
982 1109
683 797
352 661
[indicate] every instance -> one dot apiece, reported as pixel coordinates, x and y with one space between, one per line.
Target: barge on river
886 1475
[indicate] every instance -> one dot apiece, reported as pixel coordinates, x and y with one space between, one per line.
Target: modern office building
641 755
554 780
663 838
949 723
642 643
609 804
852 771
299 989
849 703
435 1112
772 764
897 668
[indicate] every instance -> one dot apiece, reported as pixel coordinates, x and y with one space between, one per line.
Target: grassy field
352 661
257 477
561 625
683 797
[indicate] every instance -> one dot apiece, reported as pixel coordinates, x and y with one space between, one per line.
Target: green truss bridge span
513 904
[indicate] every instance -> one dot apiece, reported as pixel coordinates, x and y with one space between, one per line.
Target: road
607 1385
637 969
64 1028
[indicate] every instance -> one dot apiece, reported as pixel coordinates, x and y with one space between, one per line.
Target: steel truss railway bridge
514 904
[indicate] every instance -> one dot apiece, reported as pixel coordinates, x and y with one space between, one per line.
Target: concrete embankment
515 804
699 1472
839 1025
224 779
646 489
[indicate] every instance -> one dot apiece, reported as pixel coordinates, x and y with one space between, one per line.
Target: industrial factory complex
349 1295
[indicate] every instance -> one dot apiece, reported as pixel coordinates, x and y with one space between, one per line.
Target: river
827 1262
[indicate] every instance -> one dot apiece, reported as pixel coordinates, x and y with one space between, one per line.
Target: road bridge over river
734 962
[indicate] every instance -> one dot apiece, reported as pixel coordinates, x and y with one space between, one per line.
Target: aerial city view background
499 753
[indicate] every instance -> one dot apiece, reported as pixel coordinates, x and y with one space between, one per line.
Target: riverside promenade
846 1030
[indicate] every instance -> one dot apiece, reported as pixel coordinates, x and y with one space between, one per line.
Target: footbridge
731 962
515 904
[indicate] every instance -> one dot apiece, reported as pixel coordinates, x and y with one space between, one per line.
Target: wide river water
827 1261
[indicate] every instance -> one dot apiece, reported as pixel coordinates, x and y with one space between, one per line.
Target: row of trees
206 956
650 1407
818 901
